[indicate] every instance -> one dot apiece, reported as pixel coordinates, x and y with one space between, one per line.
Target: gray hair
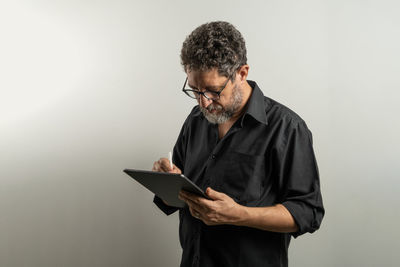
214 45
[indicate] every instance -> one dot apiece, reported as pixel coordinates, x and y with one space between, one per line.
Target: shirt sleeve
299 179
178 158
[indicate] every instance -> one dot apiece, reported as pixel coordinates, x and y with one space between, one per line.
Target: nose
204 102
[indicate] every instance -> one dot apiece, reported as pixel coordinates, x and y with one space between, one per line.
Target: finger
197 200
160 166
194 213
165 165
189 196
176 169
199 207
214 195
155 166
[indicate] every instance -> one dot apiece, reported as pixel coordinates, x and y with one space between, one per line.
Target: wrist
242 213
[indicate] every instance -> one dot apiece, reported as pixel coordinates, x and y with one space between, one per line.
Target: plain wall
88 88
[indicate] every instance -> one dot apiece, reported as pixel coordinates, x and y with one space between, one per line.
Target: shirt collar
256 105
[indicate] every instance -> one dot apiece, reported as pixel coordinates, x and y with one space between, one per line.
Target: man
252 155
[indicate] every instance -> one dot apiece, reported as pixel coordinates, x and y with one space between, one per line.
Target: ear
243 72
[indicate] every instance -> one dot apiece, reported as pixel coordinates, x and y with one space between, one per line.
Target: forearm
275 218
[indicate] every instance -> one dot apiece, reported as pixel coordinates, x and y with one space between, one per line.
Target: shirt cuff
304 217
168 210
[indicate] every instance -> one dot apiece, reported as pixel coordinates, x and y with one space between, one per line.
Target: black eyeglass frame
200 93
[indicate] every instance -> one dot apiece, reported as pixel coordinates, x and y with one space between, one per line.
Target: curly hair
214 45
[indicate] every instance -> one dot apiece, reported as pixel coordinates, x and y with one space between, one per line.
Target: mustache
212 107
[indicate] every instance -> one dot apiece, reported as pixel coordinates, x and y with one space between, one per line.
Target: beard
223 114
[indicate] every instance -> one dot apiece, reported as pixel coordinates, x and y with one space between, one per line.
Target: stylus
170 160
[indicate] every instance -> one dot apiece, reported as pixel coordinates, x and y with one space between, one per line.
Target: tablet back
165 185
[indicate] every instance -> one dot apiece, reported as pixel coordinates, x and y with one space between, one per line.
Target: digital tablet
165 185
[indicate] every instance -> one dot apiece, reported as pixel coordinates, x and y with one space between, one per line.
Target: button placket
196 260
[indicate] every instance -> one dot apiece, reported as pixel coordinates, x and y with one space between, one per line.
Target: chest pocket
241 176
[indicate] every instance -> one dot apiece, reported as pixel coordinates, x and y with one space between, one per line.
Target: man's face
230 101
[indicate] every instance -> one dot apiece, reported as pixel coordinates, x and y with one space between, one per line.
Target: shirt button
213 156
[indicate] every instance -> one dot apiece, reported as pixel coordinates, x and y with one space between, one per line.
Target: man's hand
219 209
163 165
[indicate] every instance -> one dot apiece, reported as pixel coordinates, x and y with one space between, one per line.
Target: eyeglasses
209 95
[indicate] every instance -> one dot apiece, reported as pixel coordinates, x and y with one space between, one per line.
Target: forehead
205 79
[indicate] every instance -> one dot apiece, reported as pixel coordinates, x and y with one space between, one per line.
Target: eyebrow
209 88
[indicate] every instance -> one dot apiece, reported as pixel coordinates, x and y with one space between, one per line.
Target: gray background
89 88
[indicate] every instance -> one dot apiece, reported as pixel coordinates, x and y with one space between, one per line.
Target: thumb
214 195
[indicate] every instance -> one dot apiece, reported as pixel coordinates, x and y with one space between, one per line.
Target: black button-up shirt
265 158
